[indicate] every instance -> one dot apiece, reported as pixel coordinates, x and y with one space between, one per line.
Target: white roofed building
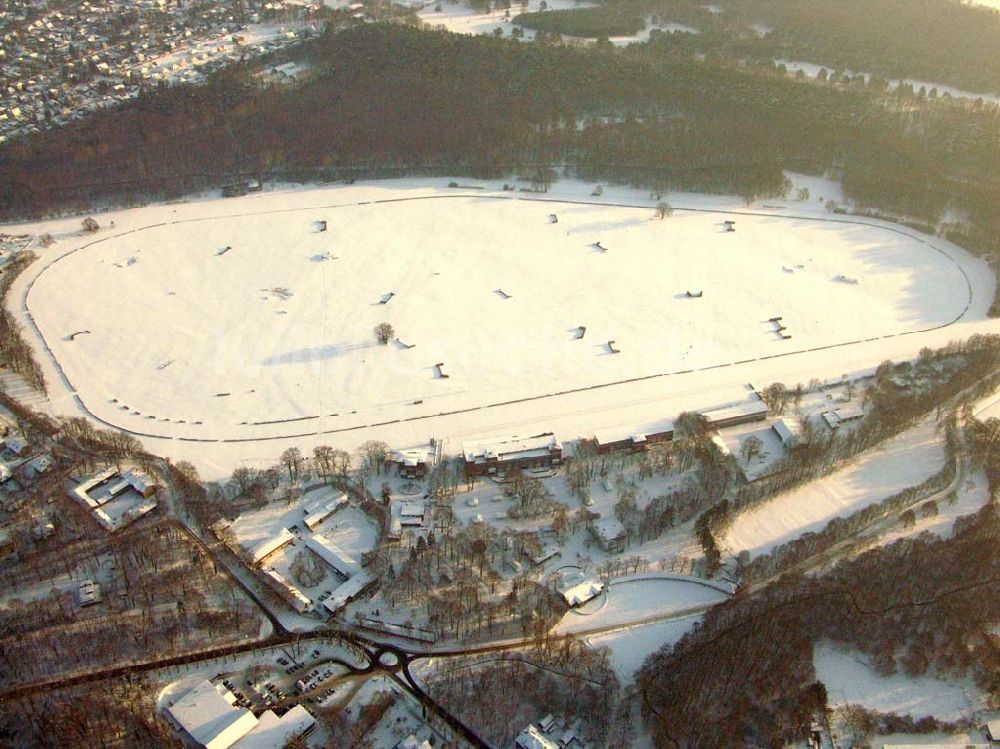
633 440
790 434
16 445
532 738
844 415
140 482
333 555
346 592
412 742
740 413
993 730
262 550
412 464
579 594
298 600
610 534
208 714
320 510
273 732
497 455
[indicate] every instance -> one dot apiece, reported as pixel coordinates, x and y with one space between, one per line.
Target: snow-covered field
628 601
903 461
849 678
631 647
221 356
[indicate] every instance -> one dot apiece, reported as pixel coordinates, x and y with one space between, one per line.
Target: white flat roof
318 511
609 528
747 408
268 546
412 509
510 447
348 590
620 434
273 732
322 503
208 714
333 555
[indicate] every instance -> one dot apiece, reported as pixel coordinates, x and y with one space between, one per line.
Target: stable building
844 415
263 549
318 511
295 597
342 563
618 440
740 413
789 433
493 456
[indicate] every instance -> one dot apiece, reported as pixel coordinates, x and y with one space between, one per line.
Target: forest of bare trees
921 605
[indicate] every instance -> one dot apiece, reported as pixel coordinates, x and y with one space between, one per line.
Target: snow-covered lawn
901 462
628 601
849 678
631 647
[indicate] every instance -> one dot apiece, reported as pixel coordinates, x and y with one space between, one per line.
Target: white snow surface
631 647
849 678
903 461
282 322
631 601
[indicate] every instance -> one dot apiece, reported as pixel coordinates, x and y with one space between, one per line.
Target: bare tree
751 448
384 333
664 210
291 459
324 461
375 454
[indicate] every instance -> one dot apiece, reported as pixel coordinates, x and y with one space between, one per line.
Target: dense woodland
745 675
931 40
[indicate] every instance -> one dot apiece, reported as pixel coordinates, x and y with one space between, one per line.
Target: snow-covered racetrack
272 339
204 342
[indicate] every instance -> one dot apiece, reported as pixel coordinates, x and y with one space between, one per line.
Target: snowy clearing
849 678
631 647
632 601
903 461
